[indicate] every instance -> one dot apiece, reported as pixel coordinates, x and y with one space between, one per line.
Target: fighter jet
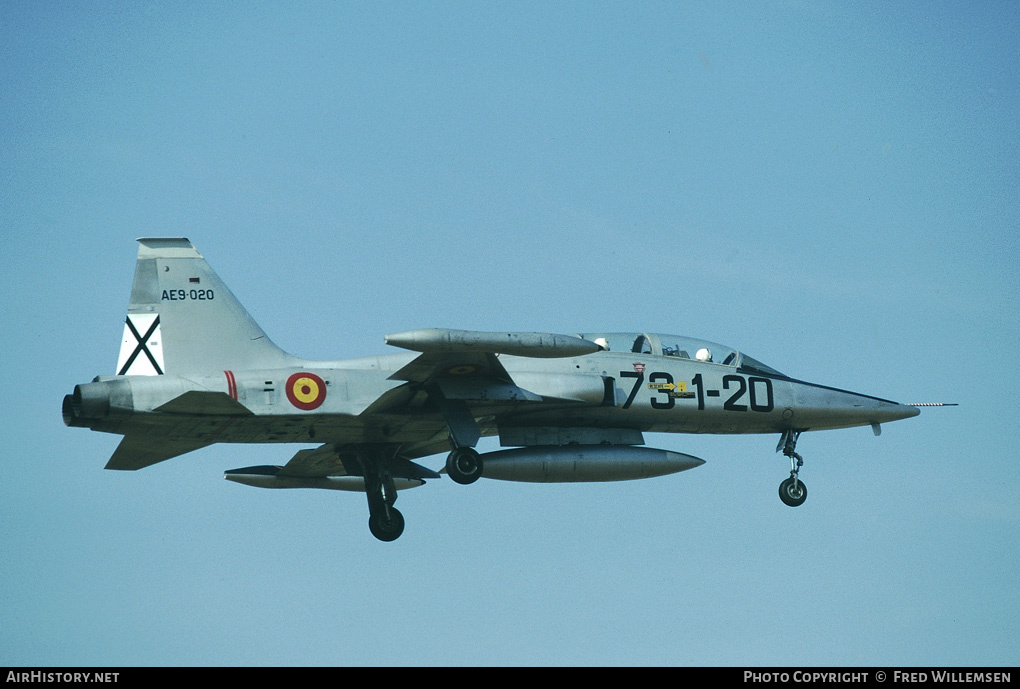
195 369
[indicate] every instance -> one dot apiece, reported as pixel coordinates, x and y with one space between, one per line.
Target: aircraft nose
893 411
872 410
824 407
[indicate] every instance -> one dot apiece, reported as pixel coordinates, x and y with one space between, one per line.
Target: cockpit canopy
680 347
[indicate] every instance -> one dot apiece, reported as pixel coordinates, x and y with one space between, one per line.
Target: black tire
386 528
791 495
464 465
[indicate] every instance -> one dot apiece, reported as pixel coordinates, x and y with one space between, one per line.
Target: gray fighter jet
195 369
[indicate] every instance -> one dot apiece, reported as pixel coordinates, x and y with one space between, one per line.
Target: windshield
754 366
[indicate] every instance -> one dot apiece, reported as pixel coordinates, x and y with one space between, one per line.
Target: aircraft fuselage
606 389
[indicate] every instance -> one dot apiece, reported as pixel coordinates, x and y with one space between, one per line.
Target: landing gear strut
384 521
464 464
792 491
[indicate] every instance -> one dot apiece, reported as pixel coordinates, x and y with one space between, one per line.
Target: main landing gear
384 520
464 465
792 491
386 525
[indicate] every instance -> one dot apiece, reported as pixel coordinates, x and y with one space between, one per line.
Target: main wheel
386 528
464 465
793 493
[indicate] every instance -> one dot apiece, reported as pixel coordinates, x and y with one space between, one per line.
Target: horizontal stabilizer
137 452
205 403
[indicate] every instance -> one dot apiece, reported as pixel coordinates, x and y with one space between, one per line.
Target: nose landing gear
792 491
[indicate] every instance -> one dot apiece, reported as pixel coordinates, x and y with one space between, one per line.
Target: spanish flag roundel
306 391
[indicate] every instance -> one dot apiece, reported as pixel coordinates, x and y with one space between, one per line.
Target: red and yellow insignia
306 391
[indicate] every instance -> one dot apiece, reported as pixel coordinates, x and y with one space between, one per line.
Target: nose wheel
792 491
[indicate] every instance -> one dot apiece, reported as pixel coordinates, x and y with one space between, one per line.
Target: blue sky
830 187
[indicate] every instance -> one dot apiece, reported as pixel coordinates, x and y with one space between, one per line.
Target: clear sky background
829 187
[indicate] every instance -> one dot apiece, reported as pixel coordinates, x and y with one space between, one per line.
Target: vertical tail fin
183 319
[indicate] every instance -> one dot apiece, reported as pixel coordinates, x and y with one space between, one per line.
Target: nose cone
895 412
821 407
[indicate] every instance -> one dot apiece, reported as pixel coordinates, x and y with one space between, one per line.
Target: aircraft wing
464 364
332 460
461 367
321 461
464 375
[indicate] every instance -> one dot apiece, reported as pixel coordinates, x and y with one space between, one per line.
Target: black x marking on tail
142 339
